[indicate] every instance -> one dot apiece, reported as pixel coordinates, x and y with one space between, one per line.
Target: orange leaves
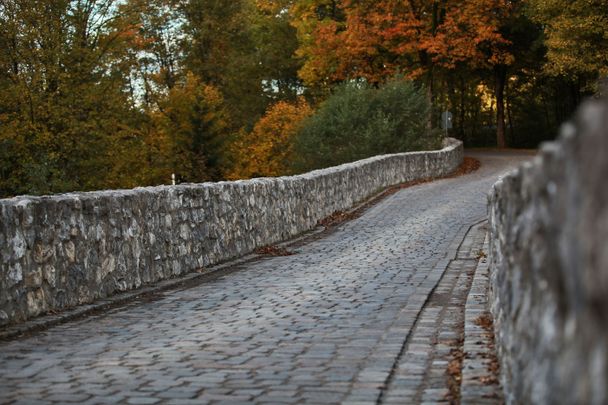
374 40
470 34
267 149
272 6
350 48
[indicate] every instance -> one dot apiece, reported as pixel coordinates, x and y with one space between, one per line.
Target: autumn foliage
376 39
122 93
268 149
577 35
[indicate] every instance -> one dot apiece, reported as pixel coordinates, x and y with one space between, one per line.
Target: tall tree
160 42
276 42
193 123
576 35
221 52
481 23
376 39
64 91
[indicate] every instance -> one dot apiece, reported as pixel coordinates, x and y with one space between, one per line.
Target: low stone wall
65 250
549 263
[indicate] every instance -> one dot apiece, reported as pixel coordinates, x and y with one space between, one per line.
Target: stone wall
65 250
549 261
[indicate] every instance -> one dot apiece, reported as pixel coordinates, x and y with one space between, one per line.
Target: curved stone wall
65 250
549 266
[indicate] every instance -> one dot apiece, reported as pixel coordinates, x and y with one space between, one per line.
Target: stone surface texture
422 372
65 250
549 268
355 316
479 383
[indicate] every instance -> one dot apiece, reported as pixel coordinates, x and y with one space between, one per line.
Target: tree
483 24
192 126
374 40
220 50
268 149
64 92
159 50
576 35
359 120
276 42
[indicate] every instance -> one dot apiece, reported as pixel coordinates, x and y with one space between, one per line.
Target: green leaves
359 121
120 93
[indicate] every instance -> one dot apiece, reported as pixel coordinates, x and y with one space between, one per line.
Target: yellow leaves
188 129
267 149
575 33
273 6
486 96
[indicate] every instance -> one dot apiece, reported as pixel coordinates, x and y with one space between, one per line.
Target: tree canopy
123 93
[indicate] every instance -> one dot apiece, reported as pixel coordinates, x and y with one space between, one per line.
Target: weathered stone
95 244
70 251
42 253
35 301
549 262
33 278
19 246
331 319
14 274
49 275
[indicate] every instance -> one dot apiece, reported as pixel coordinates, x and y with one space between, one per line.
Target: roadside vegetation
101 94
359 120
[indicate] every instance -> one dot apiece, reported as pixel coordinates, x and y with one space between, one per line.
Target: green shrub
359 121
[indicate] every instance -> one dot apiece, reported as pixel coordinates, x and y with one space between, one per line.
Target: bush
360 121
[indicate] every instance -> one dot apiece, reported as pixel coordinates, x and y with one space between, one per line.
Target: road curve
333 323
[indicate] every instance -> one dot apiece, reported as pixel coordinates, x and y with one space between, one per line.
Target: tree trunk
462 108
500 76
430 96
602 86
509 115
429 118
430 65
451 93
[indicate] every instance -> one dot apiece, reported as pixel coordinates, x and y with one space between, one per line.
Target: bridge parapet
549 263
65 250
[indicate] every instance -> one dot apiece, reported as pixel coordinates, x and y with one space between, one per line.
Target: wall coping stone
61 251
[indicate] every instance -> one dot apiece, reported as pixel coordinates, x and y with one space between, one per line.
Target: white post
173 178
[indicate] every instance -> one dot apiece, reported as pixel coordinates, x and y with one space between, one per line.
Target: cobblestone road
343 320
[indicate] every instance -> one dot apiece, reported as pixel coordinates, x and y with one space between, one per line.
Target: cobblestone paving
479 384
421 375
327 325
